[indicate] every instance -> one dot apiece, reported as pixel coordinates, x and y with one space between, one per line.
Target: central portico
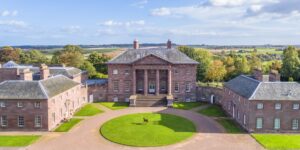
151 74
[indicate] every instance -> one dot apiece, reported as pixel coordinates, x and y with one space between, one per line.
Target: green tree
99 61
33 57
71 55
241 65
203 56
216 71
89 68
290 64
8 53
255 62
230 67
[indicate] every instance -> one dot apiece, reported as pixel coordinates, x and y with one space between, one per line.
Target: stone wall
207 94
98 92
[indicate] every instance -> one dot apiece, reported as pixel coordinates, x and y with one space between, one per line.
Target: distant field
108 51
247 51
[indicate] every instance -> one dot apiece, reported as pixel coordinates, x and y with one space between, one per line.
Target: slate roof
96 81
173 56
43 89
255 90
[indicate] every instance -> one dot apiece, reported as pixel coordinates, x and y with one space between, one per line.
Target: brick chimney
44 71
274 76
169 44
136 44
257 74
26 75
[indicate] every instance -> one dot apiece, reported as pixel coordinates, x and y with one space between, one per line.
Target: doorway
151 88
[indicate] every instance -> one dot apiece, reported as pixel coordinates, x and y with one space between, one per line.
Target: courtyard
209 133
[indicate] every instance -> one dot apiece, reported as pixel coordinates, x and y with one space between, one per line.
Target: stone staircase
151 100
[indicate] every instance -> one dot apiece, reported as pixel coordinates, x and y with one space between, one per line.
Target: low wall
209 94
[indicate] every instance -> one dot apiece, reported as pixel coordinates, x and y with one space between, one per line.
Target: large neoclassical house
142 75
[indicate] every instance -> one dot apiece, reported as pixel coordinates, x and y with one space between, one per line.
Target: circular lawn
147 129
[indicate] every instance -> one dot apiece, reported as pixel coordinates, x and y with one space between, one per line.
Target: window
176 87
2 104
188 87
116 86
295 124
53 117
115 71
277 106
276 123
3 121
21 121
176 71
260 106
115 99
126 72
259 123
127 86
244 119
37 104
61 112
38 121
295 106
20 104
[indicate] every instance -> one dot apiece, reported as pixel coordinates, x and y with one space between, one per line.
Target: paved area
85 135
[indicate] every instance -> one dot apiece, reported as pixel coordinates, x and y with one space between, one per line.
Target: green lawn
67 125
230 125
88 110
279 141
213 111
186 105
17 141
115 105
161 129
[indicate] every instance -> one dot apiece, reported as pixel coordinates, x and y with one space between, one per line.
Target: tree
98 60
290 64
255 62
8 53
71 55
89 68
241 65
230 68
33 57
276 65
216 71
202 56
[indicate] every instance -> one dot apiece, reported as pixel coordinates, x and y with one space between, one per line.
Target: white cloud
72 29
111 23
140 3
6 13
161 11
15 23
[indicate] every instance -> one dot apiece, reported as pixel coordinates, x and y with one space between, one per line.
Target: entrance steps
151 100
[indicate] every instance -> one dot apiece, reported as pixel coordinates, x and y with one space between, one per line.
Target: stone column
134 82
169 82
145 82
157 82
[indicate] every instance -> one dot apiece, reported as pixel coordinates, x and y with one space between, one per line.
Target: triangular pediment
151 60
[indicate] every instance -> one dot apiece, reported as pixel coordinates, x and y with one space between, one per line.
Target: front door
151 88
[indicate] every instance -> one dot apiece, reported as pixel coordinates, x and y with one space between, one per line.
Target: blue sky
220 22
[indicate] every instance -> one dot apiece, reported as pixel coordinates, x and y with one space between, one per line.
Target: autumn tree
255 62
8 53
216 71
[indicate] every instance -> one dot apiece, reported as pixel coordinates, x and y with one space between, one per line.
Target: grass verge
88 110
66 126
115 105
17 141
278 141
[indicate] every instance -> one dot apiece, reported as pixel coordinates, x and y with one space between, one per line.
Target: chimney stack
136 44
274 76
169 44
44 71
257 74
26 75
